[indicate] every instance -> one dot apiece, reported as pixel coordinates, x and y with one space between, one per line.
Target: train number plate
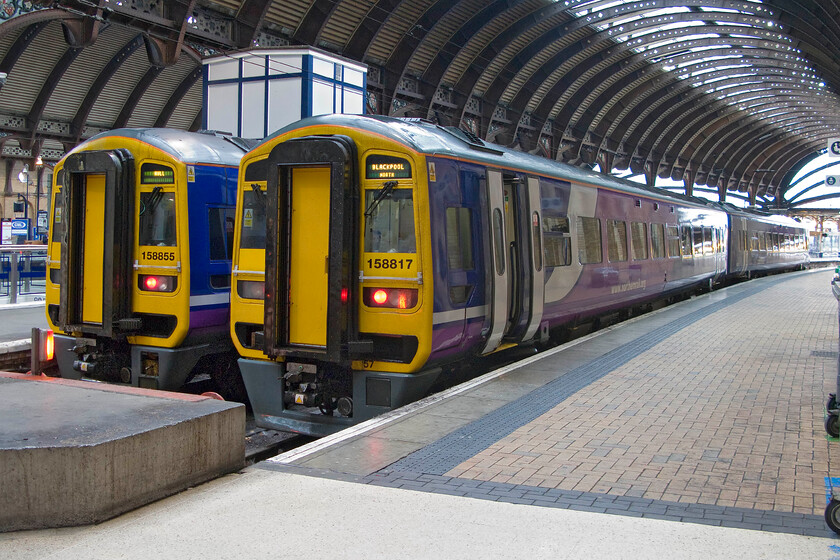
398 265
158 255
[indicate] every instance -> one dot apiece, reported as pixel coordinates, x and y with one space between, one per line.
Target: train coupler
84 366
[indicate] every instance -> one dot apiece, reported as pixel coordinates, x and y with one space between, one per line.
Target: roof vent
470 138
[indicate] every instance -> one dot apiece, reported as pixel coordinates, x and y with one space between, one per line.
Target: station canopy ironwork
734 96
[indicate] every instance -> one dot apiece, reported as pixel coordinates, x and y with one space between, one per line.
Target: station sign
834 147
20 227
832 180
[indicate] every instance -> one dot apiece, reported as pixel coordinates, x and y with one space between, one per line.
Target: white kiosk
254 93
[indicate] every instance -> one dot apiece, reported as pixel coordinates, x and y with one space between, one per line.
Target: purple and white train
373 254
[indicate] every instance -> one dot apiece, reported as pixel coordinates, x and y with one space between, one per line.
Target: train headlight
248 289
394 298
154 283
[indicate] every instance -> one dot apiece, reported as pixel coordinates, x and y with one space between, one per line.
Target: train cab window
220 221
390 226
252 235
557 241
686 242
657 241
58 220
673 234
589 240
638 240
157 218
459 244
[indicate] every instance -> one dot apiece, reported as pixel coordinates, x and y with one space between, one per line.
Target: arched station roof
735 95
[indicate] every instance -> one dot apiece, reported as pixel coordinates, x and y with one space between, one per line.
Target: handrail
18 277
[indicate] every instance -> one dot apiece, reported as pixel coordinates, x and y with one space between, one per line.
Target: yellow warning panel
94 250
310 245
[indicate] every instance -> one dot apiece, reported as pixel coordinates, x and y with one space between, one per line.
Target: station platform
692 432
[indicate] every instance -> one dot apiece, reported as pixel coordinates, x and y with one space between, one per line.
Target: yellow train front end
329 308
117 292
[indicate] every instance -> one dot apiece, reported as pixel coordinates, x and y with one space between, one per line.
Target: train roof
431 139
775 219
187 147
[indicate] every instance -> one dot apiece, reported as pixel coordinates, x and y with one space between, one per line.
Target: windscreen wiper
386 190
153 200
259 195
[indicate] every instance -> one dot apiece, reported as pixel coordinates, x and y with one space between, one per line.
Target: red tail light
153 283
345 295
49 346
394 298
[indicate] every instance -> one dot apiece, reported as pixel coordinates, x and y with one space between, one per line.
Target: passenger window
537 238
498 241
673 241
638 235
220 222
686 242
557 241
708 240
589 240
698 240
157 218
657 241
616 241
390 225
459 245
252 234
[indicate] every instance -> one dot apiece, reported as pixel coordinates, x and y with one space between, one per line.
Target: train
139 258
372 255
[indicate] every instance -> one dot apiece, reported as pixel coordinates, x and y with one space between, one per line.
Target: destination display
387 167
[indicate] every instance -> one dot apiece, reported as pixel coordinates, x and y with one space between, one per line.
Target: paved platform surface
19 318
692 432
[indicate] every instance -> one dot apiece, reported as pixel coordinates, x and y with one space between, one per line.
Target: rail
23 270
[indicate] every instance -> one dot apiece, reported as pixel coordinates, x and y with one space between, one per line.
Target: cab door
309 255
312 202
97 202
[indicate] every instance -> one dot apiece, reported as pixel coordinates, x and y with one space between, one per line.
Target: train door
499 290
517 292
92 254
311 227
309 255
97 202
537 274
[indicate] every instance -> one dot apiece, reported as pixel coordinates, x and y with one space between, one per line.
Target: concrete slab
74 452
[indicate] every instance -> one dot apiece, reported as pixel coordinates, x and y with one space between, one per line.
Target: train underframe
115 360
320 399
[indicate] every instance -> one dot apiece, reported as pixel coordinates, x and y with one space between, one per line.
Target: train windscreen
390 225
